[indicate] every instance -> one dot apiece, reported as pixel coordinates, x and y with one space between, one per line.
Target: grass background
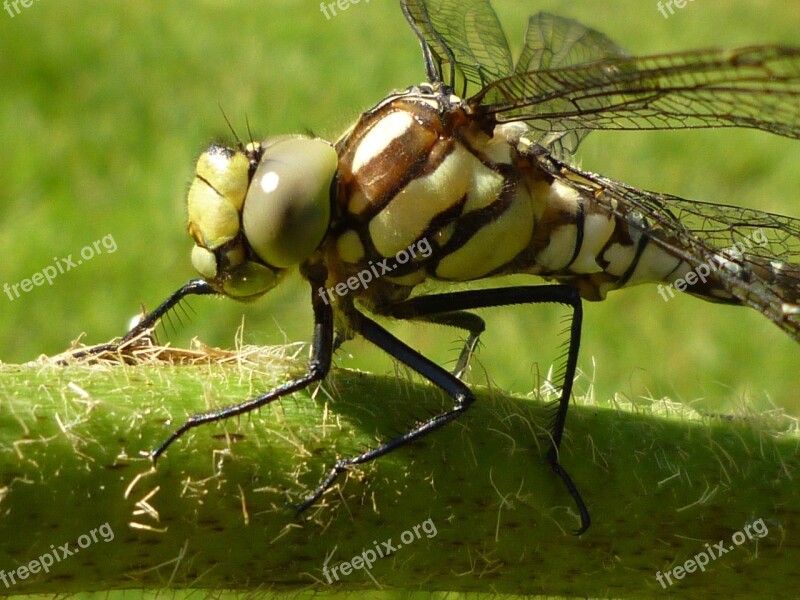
106 104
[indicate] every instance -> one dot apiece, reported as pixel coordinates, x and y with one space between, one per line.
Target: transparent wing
758 253
553 42
462 41
757 87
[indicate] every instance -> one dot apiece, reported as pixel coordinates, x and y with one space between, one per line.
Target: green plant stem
214 515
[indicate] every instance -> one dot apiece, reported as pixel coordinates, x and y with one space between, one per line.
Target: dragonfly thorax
424 192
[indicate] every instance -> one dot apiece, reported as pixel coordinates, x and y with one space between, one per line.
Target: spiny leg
318 367
456 389
196 287
462 320
471 323
423 307
445 309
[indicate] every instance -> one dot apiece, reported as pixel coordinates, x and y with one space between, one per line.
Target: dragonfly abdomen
580 242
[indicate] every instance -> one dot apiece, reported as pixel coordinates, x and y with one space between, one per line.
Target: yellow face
256 211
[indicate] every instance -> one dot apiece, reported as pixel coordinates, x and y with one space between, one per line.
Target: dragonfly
468 176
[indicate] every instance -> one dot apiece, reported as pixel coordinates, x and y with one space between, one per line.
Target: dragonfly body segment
418 168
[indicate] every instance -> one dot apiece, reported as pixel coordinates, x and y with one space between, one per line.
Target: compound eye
287 210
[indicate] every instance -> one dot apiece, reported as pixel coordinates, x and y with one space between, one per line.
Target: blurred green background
105 106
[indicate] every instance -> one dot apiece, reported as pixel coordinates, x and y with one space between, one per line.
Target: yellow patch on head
213 220
227 173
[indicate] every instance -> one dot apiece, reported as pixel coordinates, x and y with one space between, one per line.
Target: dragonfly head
256 211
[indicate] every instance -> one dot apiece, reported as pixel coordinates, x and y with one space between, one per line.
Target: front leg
196 287
318 367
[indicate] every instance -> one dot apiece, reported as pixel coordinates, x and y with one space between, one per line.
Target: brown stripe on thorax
399 140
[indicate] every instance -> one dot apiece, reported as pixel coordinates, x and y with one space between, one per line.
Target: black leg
196 287
318 367
428 307
471 323
455 388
